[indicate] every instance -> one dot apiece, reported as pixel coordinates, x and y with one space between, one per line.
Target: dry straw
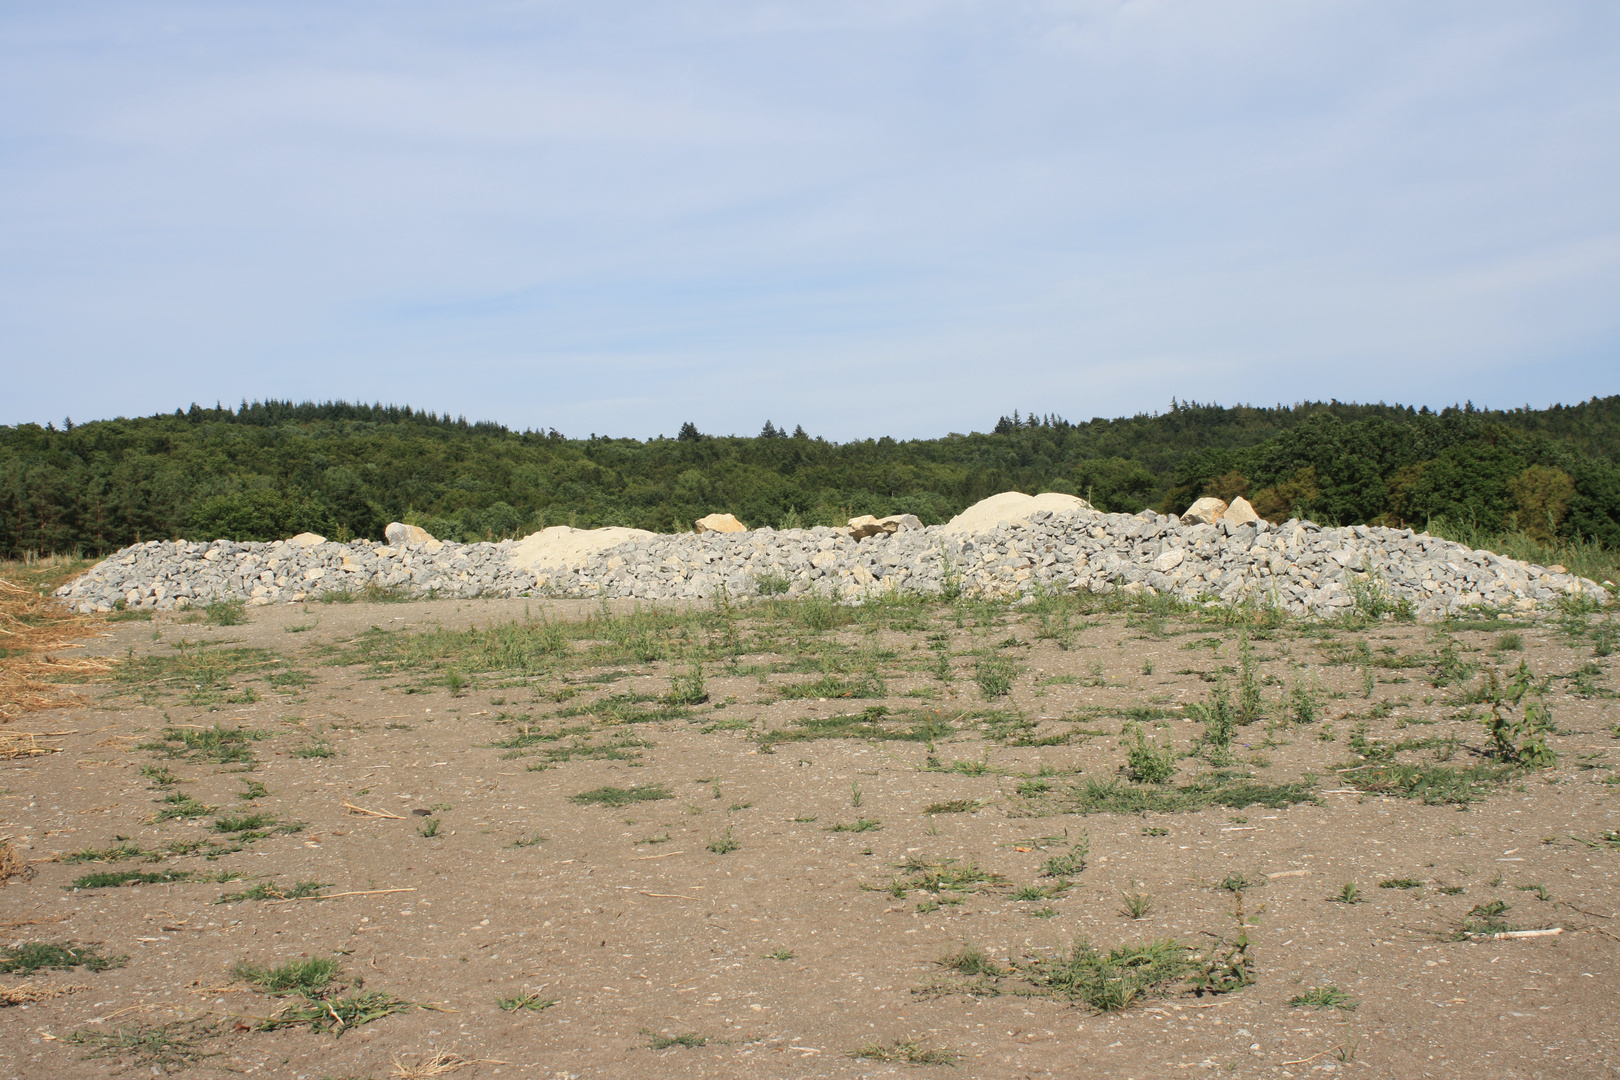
31 626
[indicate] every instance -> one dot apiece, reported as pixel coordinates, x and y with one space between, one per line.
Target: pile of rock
1210 554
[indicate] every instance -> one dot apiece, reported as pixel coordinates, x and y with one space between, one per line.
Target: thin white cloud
899 218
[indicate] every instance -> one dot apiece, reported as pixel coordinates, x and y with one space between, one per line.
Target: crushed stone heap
1298 566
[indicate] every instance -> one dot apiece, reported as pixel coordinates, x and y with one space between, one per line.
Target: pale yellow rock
866 525
306 539
1240 513
723 523
564 546
902 521
399 533
1009 506
1206 511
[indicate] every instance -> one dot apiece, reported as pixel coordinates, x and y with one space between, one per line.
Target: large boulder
1240 513
867 525
1206 511
718 523
399 533
563 546
306 539
986 514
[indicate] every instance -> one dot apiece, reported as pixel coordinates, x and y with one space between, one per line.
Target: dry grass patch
32 626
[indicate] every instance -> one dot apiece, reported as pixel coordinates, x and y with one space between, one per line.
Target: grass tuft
617 796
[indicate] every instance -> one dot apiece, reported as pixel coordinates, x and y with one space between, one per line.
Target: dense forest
271 469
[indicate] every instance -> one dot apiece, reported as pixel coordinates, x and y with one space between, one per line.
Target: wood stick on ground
335 895
353 809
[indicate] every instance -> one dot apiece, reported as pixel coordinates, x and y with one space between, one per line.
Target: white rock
1169 560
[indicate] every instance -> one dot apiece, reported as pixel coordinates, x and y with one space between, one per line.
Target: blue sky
868 218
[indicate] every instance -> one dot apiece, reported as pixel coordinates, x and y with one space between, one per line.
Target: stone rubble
1299 567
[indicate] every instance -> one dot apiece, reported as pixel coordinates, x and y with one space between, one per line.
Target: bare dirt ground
799 840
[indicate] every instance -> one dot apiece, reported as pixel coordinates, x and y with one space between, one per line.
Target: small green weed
269 890
309 976
1486 919
226 613
909 1051
955 806
1324 997
690 1040
617 796
182 806
337 1014
162 1048
37 956
526 1003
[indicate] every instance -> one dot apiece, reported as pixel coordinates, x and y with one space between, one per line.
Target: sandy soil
789 954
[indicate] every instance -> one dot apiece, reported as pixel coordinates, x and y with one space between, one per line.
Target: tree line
271 469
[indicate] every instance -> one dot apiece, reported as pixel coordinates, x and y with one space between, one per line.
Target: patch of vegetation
117 853
182 806
160 1048
225 613
1485 919
867 685
909 1051
1433 784
1112 797
955 806
317 748
867 724
858 825
1324 997
690 1040
994 674
617 796
1520 719
269 890
160 775
1146 761
112 879
688 689
36 956
309 976
526 1003
1109 981
940 877
724 844
1401 883
1069 863
200 673
1350 894
226 746
337 1014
